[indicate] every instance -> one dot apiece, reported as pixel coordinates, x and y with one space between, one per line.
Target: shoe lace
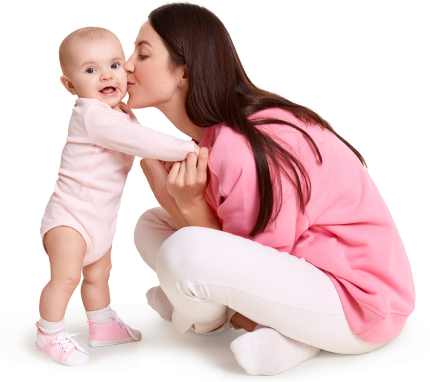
67 342
124 325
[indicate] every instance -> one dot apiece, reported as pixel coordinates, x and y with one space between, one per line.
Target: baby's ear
68 84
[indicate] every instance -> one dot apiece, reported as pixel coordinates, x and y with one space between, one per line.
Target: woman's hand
187 180
156 174
167 165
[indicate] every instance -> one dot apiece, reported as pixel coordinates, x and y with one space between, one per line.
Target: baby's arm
107 129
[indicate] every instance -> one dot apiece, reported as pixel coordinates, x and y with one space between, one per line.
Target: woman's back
346 230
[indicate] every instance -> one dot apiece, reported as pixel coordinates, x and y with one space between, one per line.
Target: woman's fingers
190 171
173 174
168 165
202 166
180 180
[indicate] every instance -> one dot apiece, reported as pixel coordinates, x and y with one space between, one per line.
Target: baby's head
92 61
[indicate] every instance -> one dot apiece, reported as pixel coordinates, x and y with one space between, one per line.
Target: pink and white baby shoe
61 348
113 332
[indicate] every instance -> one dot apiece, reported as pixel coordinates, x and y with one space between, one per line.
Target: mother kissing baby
280 230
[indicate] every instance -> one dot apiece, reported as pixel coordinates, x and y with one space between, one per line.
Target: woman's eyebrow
144 42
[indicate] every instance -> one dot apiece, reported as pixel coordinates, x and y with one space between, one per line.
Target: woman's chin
133 104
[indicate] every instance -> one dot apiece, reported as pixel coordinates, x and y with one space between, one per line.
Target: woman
286 234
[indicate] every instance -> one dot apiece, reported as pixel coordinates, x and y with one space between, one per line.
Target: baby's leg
106 328
95 286
66 250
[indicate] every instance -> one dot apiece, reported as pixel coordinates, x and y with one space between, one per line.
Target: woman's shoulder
275 113
232 148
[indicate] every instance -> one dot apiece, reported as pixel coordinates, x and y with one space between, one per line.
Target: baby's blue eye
90 70
114 66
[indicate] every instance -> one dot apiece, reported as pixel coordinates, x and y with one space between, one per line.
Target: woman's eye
142 57
90 70
114 66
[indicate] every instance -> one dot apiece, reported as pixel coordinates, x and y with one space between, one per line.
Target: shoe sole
96 344
64 363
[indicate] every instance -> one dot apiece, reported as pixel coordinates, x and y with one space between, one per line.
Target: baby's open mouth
108 90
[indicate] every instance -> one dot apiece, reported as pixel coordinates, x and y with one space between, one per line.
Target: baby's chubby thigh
66 249
97 273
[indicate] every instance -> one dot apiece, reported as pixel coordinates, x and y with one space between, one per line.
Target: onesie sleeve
234 184
108 129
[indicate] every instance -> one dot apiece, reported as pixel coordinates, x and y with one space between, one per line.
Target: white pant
204 271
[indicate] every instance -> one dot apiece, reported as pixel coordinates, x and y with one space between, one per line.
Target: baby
80 218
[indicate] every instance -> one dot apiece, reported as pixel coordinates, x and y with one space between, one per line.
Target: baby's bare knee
97 273
68 281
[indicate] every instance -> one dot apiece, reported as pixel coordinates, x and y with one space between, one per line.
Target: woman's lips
129 84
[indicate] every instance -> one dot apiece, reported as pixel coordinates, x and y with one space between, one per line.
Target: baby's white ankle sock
51 328
267 352
158 301
101 316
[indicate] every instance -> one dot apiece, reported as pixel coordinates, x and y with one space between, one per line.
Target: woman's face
151 79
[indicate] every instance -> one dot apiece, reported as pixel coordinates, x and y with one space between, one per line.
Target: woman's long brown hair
220 91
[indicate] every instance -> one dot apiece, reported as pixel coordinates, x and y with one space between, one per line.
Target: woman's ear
183 75
68 85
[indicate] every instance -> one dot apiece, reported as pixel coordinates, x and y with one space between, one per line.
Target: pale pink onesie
96 159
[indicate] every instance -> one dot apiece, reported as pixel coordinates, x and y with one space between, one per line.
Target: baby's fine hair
88 33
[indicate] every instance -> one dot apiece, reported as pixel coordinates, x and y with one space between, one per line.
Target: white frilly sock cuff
101 316
51 328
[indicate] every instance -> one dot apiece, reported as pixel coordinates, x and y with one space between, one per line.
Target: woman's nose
128 66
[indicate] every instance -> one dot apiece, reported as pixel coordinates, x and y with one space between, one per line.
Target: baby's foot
267 352
113 332
158 301
61 348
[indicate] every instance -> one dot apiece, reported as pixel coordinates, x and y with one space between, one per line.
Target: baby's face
96 70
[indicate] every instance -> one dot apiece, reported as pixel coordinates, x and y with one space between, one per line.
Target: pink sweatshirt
346 231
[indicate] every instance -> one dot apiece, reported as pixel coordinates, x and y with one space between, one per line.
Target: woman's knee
180 254
152 228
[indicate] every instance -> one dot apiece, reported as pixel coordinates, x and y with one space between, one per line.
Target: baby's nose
106 76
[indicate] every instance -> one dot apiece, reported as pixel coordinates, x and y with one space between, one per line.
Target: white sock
101 316
51 328
267 352
158 301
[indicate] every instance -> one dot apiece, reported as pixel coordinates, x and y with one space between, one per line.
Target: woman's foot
61 348
267 352
158 301
225 326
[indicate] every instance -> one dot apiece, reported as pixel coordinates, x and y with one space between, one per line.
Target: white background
363 66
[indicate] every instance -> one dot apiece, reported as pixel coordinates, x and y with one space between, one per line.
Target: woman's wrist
198 213
173 210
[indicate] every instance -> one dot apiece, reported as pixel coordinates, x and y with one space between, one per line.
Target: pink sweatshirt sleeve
109 129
